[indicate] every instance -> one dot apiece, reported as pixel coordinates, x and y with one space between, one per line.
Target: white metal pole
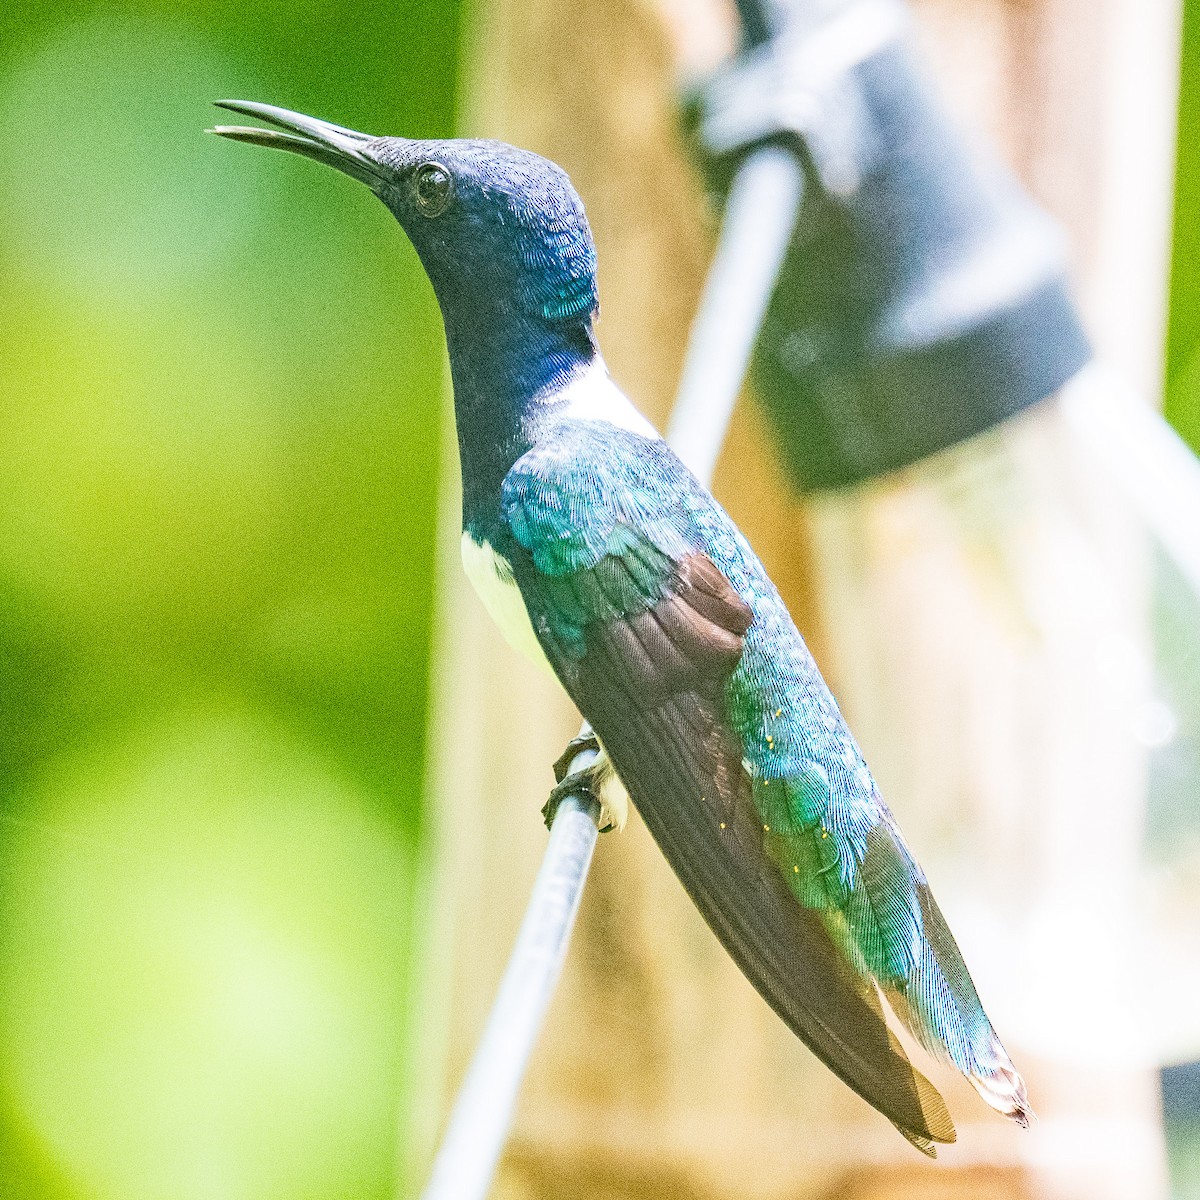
482 1113
760 217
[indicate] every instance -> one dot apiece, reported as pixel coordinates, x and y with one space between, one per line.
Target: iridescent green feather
825 827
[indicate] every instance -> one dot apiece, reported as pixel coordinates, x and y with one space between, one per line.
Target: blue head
498 229
505 242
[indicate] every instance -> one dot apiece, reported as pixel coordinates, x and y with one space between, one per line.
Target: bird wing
644 631
839 849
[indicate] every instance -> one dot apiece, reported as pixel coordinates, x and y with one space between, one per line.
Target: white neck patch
594 397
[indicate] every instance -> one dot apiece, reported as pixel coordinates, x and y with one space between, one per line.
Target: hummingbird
600 555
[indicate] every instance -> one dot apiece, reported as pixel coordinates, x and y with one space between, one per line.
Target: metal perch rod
482 1114
760 218
758 224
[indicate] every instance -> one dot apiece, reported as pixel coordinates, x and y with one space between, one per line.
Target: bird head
500 231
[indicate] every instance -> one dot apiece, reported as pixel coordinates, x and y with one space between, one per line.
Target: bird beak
329 144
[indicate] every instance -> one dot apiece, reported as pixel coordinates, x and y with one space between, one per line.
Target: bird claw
579 786
579 783
575 747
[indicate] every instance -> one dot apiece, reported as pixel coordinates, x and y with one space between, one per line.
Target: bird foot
584 783
575 747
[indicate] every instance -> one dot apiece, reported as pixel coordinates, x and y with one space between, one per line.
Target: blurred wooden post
963 612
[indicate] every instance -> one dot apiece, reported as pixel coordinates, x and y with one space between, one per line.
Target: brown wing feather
652 685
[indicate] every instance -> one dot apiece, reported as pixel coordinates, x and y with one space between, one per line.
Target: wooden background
980 618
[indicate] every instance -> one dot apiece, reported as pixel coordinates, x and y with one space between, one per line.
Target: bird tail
879 911
940 1007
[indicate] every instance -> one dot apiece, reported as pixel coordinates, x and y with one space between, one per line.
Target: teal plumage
590 497
662 625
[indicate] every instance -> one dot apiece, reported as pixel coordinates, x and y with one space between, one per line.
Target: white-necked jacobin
598 552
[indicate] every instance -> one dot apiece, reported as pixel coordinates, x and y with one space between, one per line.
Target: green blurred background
1183 328
220 398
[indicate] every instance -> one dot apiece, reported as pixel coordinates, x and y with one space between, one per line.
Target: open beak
329 144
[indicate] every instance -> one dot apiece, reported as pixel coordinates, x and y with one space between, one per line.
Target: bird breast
492 578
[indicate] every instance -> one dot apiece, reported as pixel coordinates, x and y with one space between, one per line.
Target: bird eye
431 188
